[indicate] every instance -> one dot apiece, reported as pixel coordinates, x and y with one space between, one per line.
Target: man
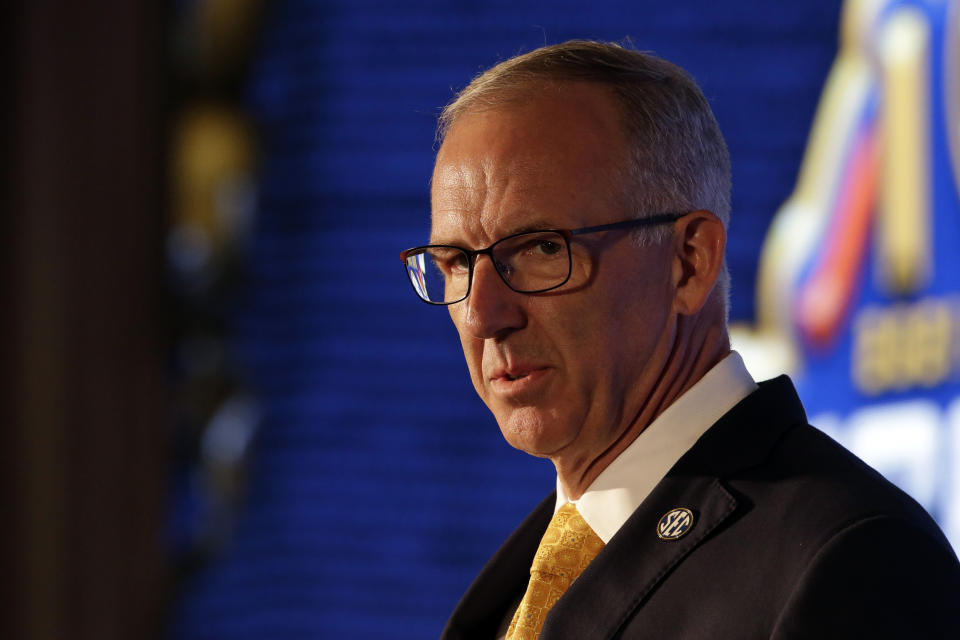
580 200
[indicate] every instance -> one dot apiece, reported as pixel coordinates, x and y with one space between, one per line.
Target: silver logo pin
675 524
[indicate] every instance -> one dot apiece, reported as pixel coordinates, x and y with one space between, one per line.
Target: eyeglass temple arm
661 218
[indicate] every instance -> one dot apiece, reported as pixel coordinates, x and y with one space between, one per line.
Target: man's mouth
520 382
517 372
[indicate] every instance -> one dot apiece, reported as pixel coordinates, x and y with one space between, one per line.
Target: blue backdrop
380 484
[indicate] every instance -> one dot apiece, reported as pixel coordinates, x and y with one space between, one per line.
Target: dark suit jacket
793 537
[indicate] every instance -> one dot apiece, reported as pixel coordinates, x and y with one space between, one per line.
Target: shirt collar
626 482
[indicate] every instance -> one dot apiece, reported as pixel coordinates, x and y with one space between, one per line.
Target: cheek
581 268
473 354
612 333
472 349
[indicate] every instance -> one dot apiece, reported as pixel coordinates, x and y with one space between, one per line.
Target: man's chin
531 432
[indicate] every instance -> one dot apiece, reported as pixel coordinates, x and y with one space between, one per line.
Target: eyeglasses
528 262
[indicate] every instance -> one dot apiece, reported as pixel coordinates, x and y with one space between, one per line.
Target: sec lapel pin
675 524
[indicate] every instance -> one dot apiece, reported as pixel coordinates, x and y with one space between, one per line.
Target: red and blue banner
858 291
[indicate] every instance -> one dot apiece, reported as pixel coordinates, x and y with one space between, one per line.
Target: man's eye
549 248
540 248
453 263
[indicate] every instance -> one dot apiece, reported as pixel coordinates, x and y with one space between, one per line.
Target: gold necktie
567 547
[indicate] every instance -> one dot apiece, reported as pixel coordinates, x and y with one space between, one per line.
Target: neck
697 347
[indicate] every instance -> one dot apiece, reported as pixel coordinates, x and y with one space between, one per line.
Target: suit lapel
505 576
637 560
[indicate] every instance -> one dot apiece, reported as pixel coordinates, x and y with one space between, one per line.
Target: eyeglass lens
527 262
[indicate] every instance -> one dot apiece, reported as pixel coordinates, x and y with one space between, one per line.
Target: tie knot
568 545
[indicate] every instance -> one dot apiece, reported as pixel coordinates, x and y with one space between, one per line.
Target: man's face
565 372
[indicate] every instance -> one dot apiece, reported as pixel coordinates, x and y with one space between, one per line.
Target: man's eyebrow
531 226
539 224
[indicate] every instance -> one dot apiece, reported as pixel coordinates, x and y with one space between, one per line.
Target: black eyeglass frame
660 218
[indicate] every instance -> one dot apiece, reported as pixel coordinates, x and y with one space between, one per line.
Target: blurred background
224 412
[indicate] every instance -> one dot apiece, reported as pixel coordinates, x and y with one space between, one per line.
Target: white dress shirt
623 485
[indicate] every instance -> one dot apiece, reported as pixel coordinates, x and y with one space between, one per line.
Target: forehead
558 158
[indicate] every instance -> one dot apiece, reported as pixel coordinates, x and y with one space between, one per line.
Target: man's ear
699 241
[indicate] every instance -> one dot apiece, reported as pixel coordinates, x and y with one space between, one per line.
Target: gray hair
679 158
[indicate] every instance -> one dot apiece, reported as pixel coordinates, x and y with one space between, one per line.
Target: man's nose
492 309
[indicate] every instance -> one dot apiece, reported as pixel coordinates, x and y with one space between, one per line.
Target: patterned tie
567 547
